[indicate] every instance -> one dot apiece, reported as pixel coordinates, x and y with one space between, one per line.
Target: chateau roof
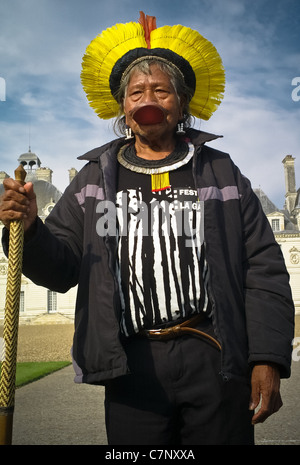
269 207
46 192
29 159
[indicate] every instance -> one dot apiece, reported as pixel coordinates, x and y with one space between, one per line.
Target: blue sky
41 47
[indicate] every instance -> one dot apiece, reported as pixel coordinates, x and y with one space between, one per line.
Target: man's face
157 90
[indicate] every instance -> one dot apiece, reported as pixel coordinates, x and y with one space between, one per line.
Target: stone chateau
37 302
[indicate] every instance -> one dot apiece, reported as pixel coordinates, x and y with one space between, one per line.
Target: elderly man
184 310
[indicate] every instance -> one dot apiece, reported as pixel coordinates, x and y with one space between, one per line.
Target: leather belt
187 327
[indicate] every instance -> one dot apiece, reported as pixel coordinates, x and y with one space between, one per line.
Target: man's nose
149 97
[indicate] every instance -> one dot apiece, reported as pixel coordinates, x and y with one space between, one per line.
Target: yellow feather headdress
117 48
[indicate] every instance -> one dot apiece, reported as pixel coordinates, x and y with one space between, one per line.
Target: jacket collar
197 138
200 137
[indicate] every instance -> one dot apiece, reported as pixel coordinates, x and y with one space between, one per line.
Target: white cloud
258 138
30 100
41 46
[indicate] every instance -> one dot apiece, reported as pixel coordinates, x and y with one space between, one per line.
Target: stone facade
286 225
36 300
290 245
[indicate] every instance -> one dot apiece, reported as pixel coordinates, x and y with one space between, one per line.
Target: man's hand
265 383
18 203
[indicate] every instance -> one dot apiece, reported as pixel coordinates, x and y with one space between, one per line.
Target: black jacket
253 312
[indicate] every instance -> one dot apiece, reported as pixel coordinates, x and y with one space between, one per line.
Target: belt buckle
154 332
165 333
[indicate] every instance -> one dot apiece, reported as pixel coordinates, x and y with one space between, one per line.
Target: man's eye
135 96
161 91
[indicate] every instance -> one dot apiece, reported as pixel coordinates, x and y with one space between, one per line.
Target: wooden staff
11 324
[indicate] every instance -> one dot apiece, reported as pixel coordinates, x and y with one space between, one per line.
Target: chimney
290 182
44 174
3 176
72 173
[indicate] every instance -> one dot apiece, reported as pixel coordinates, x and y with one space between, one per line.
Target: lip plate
149 114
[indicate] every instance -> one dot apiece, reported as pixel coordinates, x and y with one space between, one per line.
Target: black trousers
175 395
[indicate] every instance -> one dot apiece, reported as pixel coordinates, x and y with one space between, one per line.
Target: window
22 305
276 224
52 302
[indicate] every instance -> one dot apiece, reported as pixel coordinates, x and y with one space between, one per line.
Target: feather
205 61
113 43
100 57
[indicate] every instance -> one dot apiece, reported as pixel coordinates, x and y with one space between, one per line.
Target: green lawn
31 371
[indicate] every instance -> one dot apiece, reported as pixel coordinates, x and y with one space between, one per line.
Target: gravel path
53 342
44 343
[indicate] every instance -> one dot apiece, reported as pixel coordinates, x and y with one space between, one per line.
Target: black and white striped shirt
161 265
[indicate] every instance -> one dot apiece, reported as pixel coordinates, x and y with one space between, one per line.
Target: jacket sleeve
268 300
52 257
